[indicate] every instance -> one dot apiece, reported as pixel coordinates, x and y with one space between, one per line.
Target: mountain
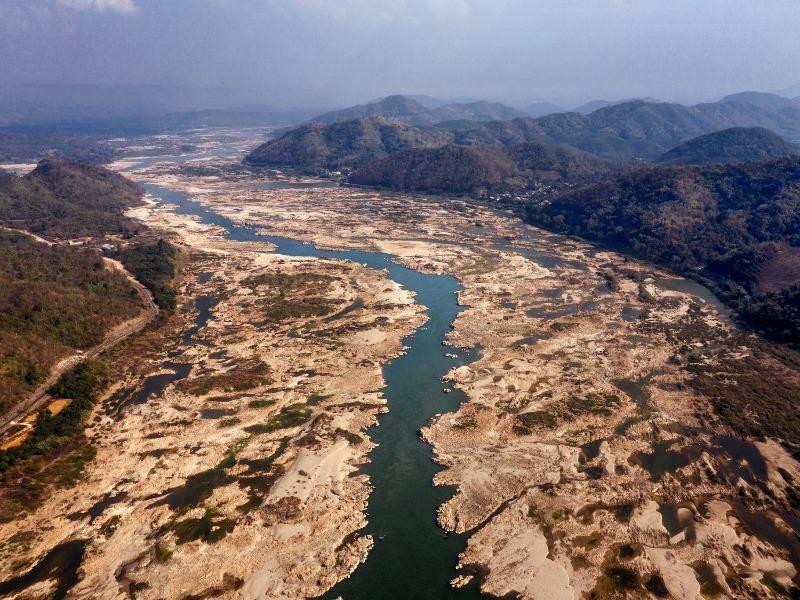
477 111
762 100
593 105
735 225
343 144
540 109
427 101
738 144
636 129
590 107
413 112
63 199
401 108
632 131
468 169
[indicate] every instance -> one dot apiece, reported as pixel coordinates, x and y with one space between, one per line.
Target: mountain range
413 112
631 131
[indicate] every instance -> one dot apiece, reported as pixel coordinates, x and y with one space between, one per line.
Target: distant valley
586 175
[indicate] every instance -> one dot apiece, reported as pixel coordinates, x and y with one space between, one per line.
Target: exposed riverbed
411 551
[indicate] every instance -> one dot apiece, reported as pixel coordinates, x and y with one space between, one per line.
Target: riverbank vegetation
734 227
53 300
155 265
56 451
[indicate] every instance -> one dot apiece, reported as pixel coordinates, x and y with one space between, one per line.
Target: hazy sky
343 51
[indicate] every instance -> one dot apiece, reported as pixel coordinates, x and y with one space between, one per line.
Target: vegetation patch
261 403
595 403
53 300
200 486
284 296
210 528
290 416
56 452
244 376
466 422
155 266
352 438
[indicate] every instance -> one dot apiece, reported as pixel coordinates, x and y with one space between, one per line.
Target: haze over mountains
635 130
409 110
731 220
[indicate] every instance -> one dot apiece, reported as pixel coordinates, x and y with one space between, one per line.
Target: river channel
412 556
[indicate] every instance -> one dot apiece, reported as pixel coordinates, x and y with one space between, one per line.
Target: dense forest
62 200
49 431
738 144
736 225
344 144
53 300
155 266
456 169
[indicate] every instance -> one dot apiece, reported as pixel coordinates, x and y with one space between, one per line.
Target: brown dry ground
241 477
588 460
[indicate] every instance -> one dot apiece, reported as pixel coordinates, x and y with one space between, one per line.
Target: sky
340 52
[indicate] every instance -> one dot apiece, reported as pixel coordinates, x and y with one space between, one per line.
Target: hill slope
52 300
401 108
343 144
627 131
736 224
738 144
465 169
410 111
477 111
63 199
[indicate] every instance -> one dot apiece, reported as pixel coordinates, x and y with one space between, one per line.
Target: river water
412 557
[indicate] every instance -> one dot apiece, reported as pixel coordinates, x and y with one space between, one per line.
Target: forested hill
63 199
344 144
456 169
635 130
408 110
736 224
53 300
738 144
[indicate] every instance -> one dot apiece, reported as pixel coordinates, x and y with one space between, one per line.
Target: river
412 556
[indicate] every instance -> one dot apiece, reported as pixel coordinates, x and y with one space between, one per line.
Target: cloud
119 6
